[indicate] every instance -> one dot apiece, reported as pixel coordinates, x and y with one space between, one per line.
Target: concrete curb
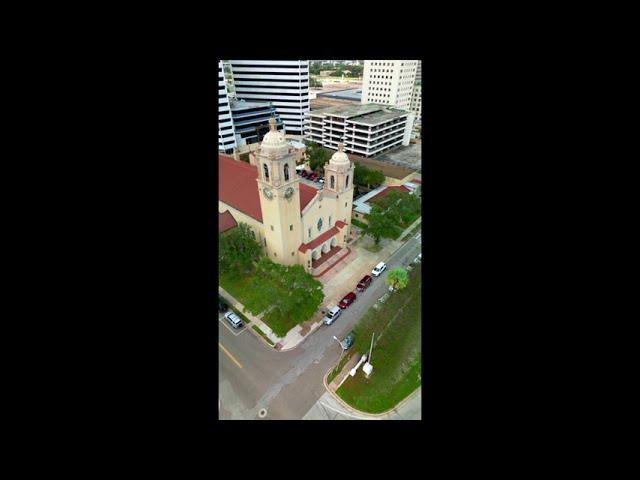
313 329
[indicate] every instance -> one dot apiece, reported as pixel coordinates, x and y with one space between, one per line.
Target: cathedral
295 223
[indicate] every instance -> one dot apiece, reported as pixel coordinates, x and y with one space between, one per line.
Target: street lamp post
341 349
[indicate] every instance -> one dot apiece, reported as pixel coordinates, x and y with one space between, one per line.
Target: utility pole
371 348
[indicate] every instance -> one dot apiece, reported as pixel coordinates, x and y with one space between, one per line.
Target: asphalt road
253 376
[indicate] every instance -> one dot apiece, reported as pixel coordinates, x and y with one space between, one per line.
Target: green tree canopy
287 294
401 205
363 175
238 250
318 156
380 223
398 278
314 82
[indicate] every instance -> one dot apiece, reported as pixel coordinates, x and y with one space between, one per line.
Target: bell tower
338 183
279 191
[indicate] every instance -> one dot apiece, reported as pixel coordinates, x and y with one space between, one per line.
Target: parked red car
364 283
313 176
303 173
348 299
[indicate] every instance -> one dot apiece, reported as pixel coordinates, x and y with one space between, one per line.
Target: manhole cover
262 413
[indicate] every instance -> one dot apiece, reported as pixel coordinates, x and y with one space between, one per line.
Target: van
331 315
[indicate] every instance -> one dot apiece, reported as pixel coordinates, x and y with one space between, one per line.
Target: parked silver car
233 319
331 315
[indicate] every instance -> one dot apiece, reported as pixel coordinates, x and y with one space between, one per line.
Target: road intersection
254 377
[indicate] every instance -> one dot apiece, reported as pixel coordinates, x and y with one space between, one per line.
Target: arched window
320 224
286 172
333 182
329 220
266 171
346 183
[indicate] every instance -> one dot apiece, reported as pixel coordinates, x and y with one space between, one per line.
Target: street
253 376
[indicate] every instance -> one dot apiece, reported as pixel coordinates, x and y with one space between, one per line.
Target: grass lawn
279 322
410 220
396 353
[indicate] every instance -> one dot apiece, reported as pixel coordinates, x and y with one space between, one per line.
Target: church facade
294 222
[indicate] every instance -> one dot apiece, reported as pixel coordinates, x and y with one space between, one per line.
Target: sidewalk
361 262
329 408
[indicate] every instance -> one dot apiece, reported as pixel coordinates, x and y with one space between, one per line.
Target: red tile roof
319 240
226 221
386 191
239 189
416 181
306 195
340 224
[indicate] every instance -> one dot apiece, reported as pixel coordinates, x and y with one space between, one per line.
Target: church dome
274 142
340 158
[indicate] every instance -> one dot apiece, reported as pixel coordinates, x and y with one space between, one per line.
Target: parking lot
317 185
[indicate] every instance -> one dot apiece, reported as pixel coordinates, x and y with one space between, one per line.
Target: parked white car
378 269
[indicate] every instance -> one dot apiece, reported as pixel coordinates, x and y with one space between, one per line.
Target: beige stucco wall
281 216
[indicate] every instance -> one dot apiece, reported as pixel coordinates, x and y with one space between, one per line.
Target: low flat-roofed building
365 129
349 94
363 204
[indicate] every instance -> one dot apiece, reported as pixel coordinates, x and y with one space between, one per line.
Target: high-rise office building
416 98
251 120
226 131
389 82
284 83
